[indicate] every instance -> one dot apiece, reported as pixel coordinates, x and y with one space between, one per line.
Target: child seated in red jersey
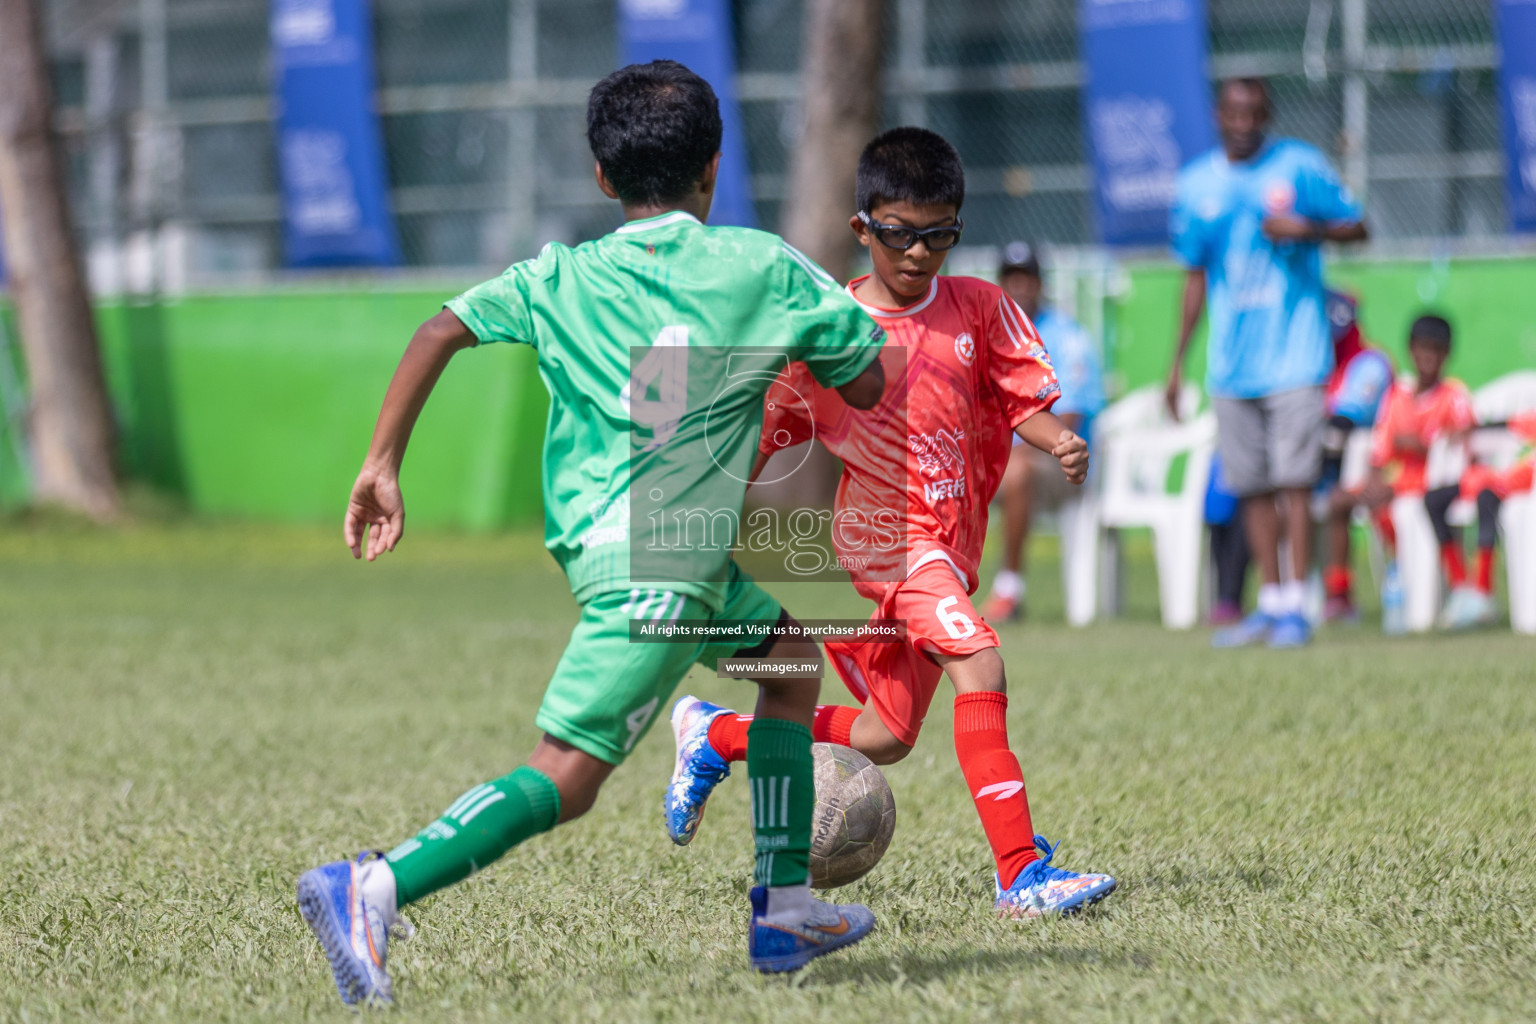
1472 604
965 372
1414 415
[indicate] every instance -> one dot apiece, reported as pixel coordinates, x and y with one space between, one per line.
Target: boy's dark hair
653 128
912 165
1435 330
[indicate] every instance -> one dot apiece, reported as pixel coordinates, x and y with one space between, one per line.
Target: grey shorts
1271 443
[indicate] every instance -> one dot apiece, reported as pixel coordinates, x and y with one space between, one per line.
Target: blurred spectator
1361 376
1032 474
1472 604
1229 548
1413 417
1247 221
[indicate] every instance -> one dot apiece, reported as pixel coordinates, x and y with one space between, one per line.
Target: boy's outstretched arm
864 391
376 500
1046 432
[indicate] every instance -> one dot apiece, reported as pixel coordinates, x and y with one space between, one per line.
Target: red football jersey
1444 408
963 367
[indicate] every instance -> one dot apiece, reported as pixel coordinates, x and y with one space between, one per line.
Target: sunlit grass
191 715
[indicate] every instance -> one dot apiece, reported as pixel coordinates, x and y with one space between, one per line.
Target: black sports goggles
899 236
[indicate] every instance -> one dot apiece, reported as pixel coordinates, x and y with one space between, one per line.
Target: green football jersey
658 343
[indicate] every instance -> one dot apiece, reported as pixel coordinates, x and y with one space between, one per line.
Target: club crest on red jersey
965 349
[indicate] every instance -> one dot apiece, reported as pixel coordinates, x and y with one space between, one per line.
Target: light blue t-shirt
1079 369
1268 331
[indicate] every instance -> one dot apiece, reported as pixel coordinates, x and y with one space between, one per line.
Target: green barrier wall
14 481
1491 304
261 405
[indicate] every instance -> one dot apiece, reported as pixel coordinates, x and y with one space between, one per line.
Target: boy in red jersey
1473 604
1414 415
965 371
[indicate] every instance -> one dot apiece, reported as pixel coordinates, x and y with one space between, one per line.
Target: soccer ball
854 818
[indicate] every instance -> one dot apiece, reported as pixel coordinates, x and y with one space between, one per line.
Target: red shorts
899 679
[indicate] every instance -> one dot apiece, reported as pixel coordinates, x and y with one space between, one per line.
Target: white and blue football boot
353 931
1290 631
1255 628
698 770
1041 890
773 947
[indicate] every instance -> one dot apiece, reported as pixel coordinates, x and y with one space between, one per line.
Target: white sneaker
1468 608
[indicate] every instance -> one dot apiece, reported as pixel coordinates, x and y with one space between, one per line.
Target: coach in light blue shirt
1247 222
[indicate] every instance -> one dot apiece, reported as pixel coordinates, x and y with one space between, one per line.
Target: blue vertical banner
1146 109
330 149
1517 95
697 33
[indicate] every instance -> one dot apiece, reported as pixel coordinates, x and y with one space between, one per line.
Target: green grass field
192 715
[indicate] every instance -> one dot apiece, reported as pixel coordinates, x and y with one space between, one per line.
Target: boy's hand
376 502
1072 452
1173 392
1377 492
1410 443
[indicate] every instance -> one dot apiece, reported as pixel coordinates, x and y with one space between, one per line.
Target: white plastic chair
1138 444
1353 475
1417 550
1354 471
1418 564
1511 394
1518 520
1078 525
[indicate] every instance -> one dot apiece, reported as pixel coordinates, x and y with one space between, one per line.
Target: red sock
1454 562
996 781
1387 530
833 724
728 735
1485 570
1338 581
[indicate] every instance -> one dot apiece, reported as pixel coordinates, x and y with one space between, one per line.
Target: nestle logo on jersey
937 451
944 489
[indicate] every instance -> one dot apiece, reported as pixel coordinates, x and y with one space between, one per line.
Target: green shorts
607 691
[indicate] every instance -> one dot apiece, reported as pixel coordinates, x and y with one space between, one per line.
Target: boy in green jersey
657 343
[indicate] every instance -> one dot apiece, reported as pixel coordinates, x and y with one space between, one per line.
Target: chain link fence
167 118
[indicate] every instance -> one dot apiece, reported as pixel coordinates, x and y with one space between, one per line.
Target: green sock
783 794
481 825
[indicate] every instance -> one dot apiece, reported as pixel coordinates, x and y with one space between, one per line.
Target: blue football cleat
1254 629
352 932
698 771
773 948
1292 630
1042 890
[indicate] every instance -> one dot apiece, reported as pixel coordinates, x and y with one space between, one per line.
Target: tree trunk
843 52
70 419
844 48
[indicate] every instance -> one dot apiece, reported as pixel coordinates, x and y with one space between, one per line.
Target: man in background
1248 222
1031 474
